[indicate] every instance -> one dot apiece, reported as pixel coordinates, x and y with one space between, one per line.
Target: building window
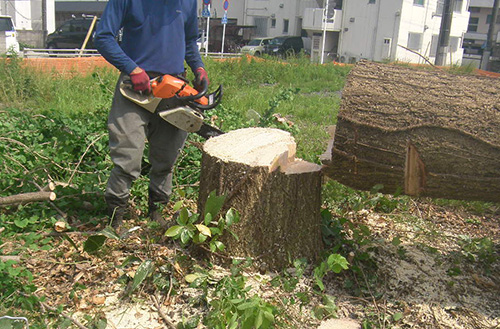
473 22
285 26
371 2
455 43
434 45
273 23
458 6
439 8
488 19
474 9
414 41
418 2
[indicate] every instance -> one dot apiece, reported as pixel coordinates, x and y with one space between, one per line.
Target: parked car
9 44
285 46
71 34
256 46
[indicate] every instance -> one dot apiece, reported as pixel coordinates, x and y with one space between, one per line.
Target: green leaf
232 217
203 229
143 271
190 278
183 217
21 223
269 316
94 243
71 241
259 319
174 231
214 204
397 316
319 283
177 206
396 241
185 236
220 246
109 233
247 305
208 219
200 238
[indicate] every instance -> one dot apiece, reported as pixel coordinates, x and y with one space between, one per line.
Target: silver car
256 46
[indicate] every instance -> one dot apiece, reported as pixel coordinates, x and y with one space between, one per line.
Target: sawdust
413 278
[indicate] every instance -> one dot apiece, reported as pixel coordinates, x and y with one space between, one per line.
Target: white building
402 30
30 17
395 30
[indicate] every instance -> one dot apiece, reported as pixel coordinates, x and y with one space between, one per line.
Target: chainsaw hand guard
213 99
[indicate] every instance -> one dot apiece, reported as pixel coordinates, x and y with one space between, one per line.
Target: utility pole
490 39
444 33
44 22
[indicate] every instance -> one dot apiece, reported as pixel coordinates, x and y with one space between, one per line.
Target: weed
190 228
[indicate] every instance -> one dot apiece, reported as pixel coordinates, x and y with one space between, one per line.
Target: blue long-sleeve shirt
158 35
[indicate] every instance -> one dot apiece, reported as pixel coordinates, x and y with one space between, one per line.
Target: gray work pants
129 126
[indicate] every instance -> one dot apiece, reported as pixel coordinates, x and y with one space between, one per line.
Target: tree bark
424 132
278 196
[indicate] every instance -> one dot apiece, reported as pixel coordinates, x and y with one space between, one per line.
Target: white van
8 36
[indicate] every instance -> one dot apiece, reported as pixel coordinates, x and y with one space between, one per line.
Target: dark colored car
285 46
71 34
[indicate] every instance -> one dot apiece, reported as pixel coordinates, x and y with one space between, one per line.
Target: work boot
155 213
156 204
116 211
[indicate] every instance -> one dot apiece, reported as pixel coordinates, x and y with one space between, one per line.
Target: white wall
365 26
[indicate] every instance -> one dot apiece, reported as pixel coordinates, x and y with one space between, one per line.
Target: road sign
207 2
205 12
226 4
224 18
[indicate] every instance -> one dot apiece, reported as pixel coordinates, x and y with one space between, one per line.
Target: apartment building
477 30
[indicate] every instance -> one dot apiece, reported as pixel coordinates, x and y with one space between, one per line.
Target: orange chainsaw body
168 86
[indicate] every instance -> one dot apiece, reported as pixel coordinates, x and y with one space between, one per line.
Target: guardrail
65 53
37 53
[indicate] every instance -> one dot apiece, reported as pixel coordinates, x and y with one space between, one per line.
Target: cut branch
26 198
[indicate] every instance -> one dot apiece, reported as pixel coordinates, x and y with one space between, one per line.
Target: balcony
312 19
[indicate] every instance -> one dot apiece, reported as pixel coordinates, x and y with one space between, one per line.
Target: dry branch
26 198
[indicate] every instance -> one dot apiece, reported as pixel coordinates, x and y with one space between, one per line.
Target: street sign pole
208 30
224 23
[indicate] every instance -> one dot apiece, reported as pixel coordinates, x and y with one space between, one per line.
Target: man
158 35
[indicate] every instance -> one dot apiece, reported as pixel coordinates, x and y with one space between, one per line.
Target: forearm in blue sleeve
105 37
193 58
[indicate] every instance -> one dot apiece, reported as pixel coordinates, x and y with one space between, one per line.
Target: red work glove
199 75
140 80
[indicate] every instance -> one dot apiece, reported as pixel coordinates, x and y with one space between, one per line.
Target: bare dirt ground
430 266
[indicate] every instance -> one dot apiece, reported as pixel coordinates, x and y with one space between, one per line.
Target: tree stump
278 196
425 132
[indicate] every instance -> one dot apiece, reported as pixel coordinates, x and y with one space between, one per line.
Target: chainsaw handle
204 85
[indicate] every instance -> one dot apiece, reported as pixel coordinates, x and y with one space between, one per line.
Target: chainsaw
175 101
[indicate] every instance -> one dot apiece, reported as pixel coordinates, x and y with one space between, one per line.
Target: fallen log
277 195
26 198
424 132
